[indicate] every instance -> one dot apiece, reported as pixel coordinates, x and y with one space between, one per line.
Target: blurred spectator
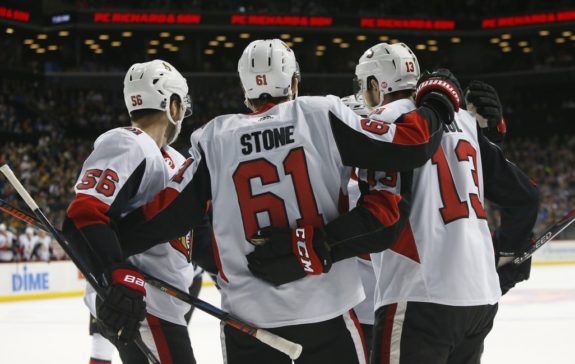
26 243
6 241
41 250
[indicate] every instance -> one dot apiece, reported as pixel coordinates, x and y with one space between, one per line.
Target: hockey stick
80 264
287 347
551 232
11 210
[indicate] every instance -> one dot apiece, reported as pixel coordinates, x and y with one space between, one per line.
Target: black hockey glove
439 90
123 307
482 100
284 255
510 275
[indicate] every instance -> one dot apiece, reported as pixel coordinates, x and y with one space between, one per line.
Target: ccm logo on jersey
305 253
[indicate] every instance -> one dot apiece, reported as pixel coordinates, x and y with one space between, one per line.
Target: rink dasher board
556 252
38 280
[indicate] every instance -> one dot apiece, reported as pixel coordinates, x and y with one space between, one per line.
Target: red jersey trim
342 202
405 244
264 108
160 339
383 205
87 210
159 203
217 258
414 130
387 333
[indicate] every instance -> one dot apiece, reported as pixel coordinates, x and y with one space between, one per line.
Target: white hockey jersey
285 166
125 170
365 309
27 243
6 253
445 254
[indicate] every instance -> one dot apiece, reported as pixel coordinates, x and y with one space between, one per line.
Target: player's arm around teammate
126 168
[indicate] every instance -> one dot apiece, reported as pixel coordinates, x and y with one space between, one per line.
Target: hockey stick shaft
287 347
11 210
80 264
548 235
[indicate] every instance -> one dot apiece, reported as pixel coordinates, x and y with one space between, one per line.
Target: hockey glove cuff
439 90
123 307
284 255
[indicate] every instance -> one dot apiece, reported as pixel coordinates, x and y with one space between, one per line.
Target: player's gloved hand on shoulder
284 255
482 101
357 105
441 91
123 307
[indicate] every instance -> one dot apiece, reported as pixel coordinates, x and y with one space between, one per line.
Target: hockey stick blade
82 267
550 233
293 350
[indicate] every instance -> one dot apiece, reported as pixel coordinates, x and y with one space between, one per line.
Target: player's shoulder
124 140
466 121
393 110
317 102
465 116
174 155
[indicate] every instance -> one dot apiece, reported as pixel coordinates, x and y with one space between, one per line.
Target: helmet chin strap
177 127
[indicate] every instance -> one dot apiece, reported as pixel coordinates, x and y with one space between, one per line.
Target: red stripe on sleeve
383 205
160 202
87 210
160 339
411 129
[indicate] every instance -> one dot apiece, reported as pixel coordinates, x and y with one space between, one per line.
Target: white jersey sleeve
112 182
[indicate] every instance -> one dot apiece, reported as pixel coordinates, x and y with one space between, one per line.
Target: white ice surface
535 324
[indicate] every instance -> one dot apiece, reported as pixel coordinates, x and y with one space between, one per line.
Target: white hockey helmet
150 85
29 231
267 67
2 227
394 67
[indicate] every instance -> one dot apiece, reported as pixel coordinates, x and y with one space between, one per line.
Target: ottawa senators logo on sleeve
183 245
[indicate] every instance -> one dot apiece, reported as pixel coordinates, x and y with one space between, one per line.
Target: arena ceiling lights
169 27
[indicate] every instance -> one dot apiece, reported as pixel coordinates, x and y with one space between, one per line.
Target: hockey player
6 253
437 286
41 249
26 243
287 165
124 171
